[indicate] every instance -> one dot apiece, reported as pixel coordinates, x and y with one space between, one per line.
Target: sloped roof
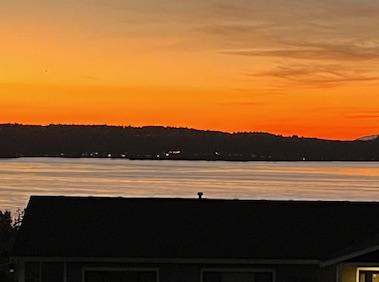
192 228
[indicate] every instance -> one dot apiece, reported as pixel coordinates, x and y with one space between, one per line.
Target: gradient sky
301 67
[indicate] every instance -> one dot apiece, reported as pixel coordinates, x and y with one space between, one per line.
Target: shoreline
182 159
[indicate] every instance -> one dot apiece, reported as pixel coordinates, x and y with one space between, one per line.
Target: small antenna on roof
200 195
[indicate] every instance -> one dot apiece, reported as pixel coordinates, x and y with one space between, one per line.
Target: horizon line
183 127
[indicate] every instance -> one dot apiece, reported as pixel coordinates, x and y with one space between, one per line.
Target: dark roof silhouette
193 228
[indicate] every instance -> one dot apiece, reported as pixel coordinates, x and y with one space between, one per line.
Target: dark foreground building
89 239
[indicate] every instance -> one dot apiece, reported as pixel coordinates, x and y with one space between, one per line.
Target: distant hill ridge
368 138
156 142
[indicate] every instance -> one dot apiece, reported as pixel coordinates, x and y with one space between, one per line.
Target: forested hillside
173 143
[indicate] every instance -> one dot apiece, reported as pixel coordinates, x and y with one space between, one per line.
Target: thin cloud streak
364 116
308 73
315 52
241 103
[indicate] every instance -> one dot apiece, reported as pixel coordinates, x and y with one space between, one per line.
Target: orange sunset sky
301 67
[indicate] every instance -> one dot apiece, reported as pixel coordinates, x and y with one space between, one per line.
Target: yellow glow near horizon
240 66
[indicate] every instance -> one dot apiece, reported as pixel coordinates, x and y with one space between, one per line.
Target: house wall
301 273
169 272
347 273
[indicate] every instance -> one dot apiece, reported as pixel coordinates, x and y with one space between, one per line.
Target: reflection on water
20 178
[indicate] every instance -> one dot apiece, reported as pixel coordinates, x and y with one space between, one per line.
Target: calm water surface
20 178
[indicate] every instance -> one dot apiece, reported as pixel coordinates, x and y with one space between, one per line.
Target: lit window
368 276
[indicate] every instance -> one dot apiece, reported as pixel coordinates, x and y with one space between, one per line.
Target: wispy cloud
241 103
316 75
233 29
311 30
316 51
369 115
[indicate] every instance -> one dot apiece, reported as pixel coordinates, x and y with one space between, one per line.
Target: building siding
170 272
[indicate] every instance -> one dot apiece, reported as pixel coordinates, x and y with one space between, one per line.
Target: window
368 276
238 276
120 275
